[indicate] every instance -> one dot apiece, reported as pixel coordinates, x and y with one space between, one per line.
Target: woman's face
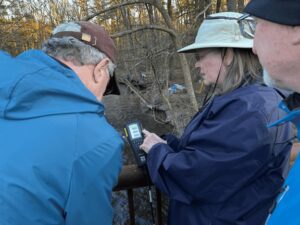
210 64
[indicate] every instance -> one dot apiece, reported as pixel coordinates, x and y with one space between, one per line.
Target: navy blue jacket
59 157
227 167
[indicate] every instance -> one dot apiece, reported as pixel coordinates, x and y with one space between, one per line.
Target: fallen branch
135 91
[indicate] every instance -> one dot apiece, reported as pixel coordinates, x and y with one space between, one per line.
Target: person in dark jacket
277 44
227 168
59 157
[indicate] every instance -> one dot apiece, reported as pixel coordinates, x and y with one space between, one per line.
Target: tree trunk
241 5
183 60
231 5
218 6
169 5
126 19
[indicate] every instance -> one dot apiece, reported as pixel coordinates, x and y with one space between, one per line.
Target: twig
127 82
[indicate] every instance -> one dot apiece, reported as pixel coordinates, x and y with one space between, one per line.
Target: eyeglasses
246 24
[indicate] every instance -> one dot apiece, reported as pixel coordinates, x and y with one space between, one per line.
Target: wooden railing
133 177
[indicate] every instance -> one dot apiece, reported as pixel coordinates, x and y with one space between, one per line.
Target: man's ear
296 35
101 70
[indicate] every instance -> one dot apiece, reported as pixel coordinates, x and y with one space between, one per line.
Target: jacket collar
291 105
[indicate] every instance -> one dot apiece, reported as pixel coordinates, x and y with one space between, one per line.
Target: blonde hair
244 68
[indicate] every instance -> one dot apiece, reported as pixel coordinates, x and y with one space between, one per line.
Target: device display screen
134 131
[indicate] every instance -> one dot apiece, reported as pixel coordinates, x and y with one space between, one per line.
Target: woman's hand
150 140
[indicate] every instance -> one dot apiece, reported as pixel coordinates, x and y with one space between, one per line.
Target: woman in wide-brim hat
227 167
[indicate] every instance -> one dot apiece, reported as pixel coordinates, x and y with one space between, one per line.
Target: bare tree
218 6
231 5
241 5
174 36
169 28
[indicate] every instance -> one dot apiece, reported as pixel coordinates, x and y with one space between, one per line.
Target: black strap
282 93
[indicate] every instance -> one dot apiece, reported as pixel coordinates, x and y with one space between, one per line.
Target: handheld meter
134 135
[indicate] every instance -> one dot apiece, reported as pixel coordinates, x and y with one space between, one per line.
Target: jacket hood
34 84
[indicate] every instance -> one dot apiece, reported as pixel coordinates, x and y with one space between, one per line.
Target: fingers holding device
150 139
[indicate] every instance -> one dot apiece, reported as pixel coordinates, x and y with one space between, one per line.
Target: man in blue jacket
59 157
277 44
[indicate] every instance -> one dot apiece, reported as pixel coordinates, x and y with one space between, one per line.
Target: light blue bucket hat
220 30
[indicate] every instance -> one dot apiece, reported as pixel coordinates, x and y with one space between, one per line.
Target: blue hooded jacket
228 167
288 202
59 157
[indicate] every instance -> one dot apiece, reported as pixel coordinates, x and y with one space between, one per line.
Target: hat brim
195 46
112 86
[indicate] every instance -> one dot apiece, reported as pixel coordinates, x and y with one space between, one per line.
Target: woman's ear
101 69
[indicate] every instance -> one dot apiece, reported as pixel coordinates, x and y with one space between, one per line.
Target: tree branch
203 11
151 27
116 6
127 82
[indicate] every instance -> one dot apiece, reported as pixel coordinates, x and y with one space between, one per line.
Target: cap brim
112 86
194 47
275 11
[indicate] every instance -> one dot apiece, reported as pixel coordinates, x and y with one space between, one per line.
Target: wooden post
131 206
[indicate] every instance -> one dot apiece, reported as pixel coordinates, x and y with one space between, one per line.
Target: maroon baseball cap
95 36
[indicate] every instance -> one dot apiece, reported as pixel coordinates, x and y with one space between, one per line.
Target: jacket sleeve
215 159
94 175
171 140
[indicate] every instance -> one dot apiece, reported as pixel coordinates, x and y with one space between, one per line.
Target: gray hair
73 50
244 68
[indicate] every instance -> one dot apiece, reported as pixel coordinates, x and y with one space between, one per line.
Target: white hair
268 80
